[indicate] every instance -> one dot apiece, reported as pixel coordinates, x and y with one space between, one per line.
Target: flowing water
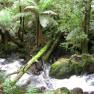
86 82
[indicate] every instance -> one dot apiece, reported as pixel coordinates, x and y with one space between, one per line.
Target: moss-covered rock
62 91
76 65
59 67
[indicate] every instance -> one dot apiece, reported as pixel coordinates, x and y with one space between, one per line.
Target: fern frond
43 4
10 89
5 18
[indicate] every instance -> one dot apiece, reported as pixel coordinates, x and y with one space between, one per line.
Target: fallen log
25 68
46 56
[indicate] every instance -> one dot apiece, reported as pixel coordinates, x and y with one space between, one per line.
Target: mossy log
76 65
45 56
25 68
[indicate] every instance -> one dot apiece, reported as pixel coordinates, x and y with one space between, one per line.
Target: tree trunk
21 28
46 57
25 68
86 24
39 35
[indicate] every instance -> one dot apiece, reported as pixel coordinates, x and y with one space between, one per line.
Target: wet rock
57 91
62 91
42 89
77 91
85 93
65 90
92 92
59 68
76 65
36 68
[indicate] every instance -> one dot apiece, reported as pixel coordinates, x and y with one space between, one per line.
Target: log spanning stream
86 82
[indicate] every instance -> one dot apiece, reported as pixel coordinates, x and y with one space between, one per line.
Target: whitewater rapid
8 66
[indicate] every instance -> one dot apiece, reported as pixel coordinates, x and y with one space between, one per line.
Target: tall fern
8 88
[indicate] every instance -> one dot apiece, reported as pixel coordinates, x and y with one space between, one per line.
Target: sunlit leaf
44 21
49 12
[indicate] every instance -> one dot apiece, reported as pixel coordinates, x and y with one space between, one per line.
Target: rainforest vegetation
57 32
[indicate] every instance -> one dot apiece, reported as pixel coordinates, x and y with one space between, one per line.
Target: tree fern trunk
39 35
21 28
86 24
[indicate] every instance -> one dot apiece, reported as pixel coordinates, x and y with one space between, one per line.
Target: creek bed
86 82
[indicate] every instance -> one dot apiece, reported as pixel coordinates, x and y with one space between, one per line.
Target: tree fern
34 90
44 4
75 39
8 88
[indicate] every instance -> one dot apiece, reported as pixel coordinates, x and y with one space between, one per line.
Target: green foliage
7 1
10 89
44 4
69 14
41 8
75 38
5 18
32 90
54 16
2 78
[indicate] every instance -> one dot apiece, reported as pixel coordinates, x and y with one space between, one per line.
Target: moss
75 68
77 65
62 91
58 71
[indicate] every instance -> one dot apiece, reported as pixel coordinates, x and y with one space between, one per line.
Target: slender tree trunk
2 36
48 53
39 35
21 28
37 30
86 24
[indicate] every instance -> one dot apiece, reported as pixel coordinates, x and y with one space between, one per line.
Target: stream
8 66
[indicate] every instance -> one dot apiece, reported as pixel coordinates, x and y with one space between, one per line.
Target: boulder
77 91
62 91
85 93
92 92
75 65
